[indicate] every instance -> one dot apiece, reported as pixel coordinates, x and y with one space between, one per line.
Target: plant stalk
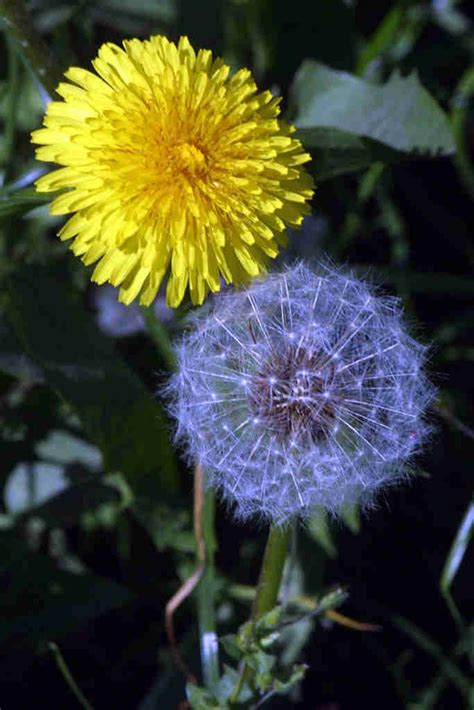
268 588
205 594
159 336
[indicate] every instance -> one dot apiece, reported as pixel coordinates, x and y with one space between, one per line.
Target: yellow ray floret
171 166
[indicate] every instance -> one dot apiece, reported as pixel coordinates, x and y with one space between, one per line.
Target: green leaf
297 675
454 559
362 121
21 201
78 361
458 549
63 447
156 10
230 645
320 531
261 662
332 599
339 152
350 515
383 37
198 698
227 684
226 687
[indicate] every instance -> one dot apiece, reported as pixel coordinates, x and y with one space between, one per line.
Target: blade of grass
67 675
9 129
423 641
18 24
454 559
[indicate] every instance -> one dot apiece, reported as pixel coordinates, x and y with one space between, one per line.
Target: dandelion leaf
353 122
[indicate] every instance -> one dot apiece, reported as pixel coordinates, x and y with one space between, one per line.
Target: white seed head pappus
303 391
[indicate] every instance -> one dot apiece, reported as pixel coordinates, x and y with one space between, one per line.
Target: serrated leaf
400 114
78 361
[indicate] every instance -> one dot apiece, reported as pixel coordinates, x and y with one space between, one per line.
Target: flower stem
159 336
272 571
268 587
18 25
205 595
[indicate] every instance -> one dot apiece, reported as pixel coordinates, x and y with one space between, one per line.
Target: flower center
189 159
292 397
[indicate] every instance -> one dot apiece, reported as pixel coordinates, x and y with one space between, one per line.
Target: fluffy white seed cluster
303 391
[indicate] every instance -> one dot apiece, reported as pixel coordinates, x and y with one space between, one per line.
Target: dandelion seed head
320 394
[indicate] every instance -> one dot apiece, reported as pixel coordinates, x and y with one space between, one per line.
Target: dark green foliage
96 529
118 414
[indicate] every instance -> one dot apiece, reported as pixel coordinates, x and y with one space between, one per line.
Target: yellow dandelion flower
171 166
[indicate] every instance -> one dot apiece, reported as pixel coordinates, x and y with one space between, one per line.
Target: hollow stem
18 24
159 336
271 573
206 590
268 587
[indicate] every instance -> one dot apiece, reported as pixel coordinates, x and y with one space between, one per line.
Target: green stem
18 25
205 597
159 336
272 571
10 108
66 674
268 588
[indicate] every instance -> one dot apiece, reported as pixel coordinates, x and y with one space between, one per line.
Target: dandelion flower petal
169 165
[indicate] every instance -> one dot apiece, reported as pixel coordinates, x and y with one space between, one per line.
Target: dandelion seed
334 403
171 166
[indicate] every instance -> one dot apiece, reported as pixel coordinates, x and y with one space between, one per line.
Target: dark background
414 232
